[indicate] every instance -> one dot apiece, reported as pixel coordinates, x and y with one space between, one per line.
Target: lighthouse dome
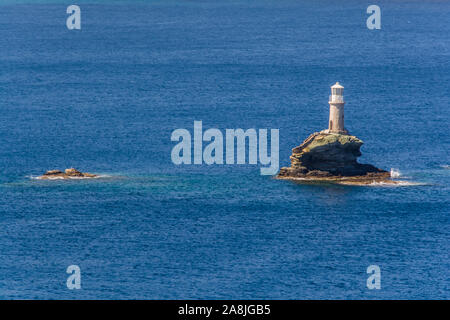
337 85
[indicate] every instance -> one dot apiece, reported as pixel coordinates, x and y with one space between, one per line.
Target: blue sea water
106 98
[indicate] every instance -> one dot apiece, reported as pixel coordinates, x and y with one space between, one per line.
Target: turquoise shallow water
106 99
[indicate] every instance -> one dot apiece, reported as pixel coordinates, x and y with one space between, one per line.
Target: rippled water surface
106 99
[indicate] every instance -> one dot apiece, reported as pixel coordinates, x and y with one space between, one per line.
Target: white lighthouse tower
336 123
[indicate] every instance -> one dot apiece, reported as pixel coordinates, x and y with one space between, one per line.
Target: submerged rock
331 157
67 174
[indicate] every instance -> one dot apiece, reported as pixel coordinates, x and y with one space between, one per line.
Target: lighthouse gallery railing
339 99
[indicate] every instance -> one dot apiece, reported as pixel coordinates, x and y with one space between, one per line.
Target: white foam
397 184
103 176
445 166
395 173
68 178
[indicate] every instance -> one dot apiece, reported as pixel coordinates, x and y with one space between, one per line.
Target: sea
106 99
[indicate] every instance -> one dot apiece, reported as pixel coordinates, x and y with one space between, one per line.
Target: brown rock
89 175
52 172
73 172
318 173
330 156
67 174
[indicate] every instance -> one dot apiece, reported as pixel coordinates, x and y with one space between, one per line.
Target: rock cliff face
67 174
330 156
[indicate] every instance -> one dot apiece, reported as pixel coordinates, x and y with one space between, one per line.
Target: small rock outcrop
67 174
331 156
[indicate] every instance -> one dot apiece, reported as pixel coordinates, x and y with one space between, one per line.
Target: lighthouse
336 101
